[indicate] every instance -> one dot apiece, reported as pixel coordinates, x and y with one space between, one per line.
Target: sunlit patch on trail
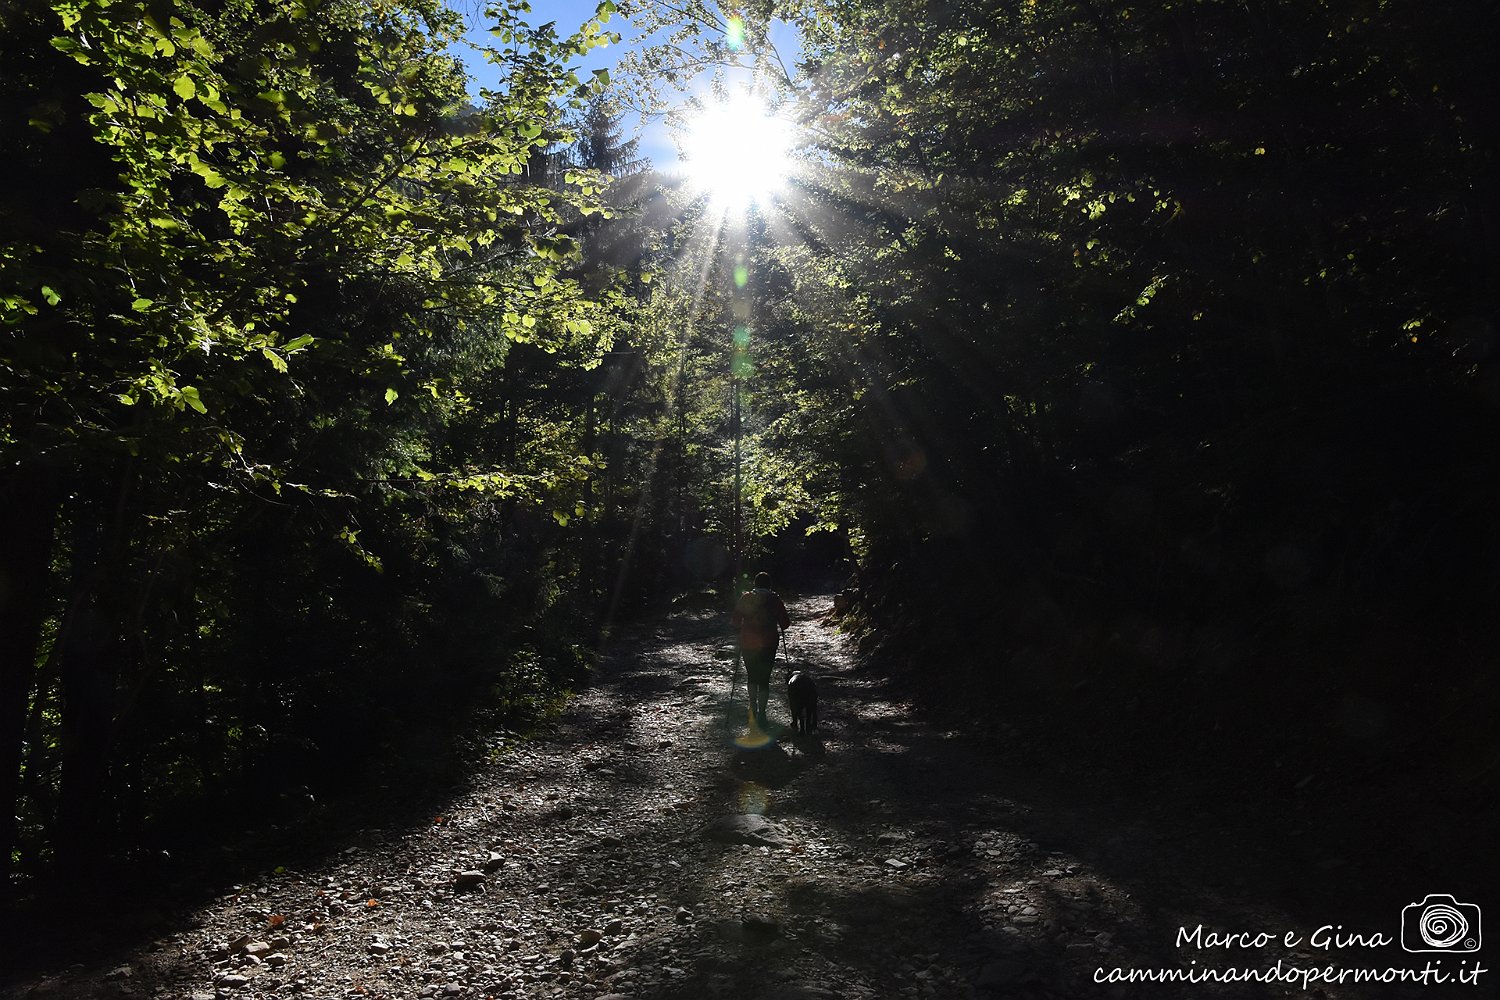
754 798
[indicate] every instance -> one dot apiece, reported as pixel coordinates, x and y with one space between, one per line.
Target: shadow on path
893 859
929 863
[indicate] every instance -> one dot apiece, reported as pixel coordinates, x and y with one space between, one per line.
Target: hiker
761 617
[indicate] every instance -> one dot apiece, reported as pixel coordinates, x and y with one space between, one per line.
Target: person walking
760 615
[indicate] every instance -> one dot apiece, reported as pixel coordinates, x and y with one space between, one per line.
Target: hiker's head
763 580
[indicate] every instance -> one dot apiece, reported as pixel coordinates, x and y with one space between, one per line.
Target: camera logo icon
1440 923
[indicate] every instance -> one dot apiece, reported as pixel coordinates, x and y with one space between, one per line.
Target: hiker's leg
765 695
765 689
758 669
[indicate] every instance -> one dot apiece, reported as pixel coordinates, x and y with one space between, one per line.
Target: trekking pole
734 682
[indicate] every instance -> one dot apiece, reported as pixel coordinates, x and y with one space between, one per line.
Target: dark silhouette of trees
1154 343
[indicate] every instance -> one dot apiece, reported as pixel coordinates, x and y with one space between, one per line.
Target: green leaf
298 344
390 396
52 297
190 397
185 87
211 177
141 305
277 361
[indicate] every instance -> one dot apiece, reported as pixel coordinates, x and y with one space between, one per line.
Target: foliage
273 299
1167 252
1153 342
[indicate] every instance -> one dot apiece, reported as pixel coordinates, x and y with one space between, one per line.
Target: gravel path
650 847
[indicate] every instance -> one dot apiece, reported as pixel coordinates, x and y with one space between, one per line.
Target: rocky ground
651 845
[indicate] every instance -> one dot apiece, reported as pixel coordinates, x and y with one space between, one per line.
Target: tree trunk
591 525
28 513
87 671
91 650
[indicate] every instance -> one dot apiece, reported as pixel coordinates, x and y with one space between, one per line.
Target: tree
262 259
1114 314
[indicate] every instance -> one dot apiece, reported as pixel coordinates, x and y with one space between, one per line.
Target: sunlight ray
700 286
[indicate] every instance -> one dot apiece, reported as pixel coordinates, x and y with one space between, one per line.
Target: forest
1132 367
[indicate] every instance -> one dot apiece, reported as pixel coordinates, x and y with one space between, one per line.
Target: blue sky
656 143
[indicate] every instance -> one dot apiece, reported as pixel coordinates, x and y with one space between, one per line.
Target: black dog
802 696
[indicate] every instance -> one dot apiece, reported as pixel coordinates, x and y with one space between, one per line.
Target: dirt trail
600 859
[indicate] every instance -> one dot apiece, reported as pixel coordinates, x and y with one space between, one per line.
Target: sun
737 153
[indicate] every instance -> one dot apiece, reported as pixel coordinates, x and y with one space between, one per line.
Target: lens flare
737 153
734 33
754 737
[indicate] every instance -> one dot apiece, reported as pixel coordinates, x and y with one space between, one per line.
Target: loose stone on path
747 828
